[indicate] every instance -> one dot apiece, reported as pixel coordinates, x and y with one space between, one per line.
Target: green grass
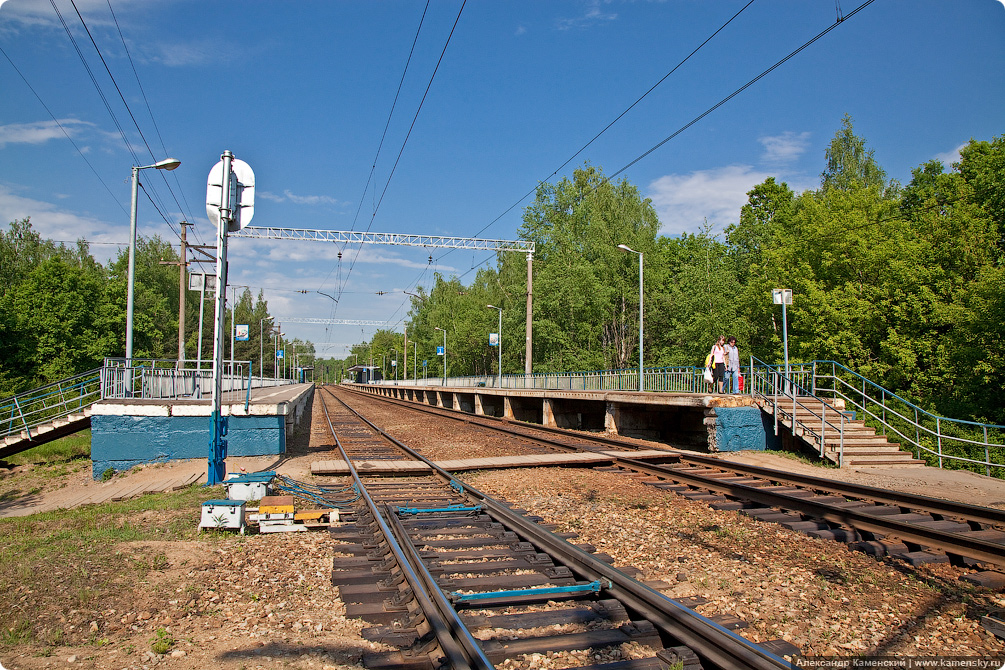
71 559
63 450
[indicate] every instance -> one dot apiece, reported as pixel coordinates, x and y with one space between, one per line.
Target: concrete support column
710 421
439 399
548 414
479 408
508 408
611 418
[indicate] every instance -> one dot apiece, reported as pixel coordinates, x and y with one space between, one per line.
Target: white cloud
684 202
593 16
784 148
310 199
953 156
39 132
55 223
298 199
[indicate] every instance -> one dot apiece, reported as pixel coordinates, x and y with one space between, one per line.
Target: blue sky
302 91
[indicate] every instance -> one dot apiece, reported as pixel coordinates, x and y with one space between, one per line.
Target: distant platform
127 432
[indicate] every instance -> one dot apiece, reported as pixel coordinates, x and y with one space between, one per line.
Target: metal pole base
217 461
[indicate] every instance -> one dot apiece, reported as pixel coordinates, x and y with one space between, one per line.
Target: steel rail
940 506
988 515
719 646
954 543
457 644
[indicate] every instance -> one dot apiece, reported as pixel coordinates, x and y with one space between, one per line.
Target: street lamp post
783 297
166 164
415 360
394 364
499 343
444 354
625 247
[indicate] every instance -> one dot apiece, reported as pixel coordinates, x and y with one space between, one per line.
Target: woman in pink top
718 363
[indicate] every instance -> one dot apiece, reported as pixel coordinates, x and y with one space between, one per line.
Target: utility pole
181 294
528 364
182 263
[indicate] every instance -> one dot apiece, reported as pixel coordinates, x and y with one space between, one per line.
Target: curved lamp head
167 164
625 247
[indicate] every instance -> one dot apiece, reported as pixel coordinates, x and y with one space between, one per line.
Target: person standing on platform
732 366
718 363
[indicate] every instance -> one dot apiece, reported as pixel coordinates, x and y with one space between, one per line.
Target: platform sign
199 281
279 354
425 363
781 296
493 339
439 351
394 363
242 194
241 334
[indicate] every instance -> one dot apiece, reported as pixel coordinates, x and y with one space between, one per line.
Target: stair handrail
882 408
770 383
33 408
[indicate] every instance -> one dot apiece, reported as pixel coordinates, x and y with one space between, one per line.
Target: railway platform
711 422
126 432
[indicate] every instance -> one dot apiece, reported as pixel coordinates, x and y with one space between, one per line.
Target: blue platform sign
425 363
439 351
279 354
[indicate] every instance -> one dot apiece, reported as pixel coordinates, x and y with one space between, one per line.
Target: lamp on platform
166 164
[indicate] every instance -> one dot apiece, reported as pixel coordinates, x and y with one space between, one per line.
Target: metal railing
789 396
145 379
682 379
155 379
27 411
938 437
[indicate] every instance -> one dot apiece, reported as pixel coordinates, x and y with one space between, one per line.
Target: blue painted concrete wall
121 442
738 428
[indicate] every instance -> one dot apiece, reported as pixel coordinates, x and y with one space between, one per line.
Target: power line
150 112
125 104
58 124
380 144
739 90
405 141
616 119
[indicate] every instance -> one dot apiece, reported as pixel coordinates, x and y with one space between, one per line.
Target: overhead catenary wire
63 130
609 178
404 142
129 111
616 119
340 285
188 210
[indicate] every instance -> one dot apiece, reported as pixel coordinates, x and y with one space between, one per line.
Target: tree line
901 283
62 312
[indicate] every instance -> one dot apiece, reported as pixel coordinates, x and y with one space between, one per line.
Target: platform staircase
847 442
48 413
825 425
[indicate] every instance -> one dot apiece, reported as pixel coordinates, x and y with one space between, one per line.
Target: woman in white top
718 363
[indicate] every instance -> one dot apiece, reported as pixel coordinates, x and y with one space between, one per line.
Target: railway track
454 578
879 522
